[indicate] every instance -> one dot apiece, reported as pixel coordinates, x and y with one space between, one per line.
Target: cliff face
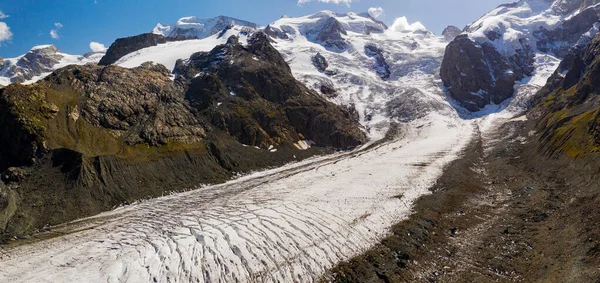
479 75
88 138
257 80
567 111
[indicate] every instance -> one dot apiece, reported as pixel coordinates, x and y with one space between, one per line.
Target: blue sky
76 23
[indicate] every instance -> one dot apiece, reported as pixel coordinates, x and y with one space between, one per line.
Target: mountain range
202 101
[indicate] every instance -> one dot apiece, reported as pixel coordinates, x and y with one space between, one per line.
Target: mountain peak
451 32
194 27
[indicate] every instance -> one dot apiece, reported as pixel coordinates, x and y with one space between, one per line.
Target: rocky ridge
107 135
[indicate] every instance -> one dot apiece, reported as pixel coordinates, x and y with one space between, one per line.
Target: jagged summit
451 32
193 27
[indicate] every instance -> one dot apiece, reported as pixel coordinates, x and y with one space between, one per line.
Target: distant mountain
451 32
39 62
127 133
186 28
193 27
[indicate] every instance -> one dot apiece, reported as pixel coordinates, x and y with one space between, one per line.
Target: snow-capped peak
351 22
509 26
39 62
193 27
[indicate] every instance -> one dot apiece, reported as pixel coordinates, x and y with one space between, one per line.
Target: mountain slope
506 45
568 108
383 75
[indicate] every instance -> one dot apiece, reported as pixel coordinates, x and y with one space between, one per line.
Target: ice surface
288 224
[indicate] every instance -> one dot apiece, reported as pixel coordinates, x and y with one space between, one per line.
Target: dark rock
320 62
328 32
124 46
493 35
381 66
259 76
275 33
477 75
12 175
328 89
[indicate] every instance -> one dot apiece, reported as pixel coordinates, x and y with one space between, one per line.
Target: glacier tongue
284 225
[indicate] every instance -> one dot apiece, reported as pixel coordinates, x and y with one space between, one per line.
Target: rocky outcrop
89 138
477 74
451 32
320 62
328 32
381 66
275 32
277 107
193 27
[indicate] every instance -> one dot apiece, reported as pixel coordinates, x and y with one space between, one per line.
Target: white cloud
3 16
376 12
5 33
401 24
54 34
97 47
347 2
